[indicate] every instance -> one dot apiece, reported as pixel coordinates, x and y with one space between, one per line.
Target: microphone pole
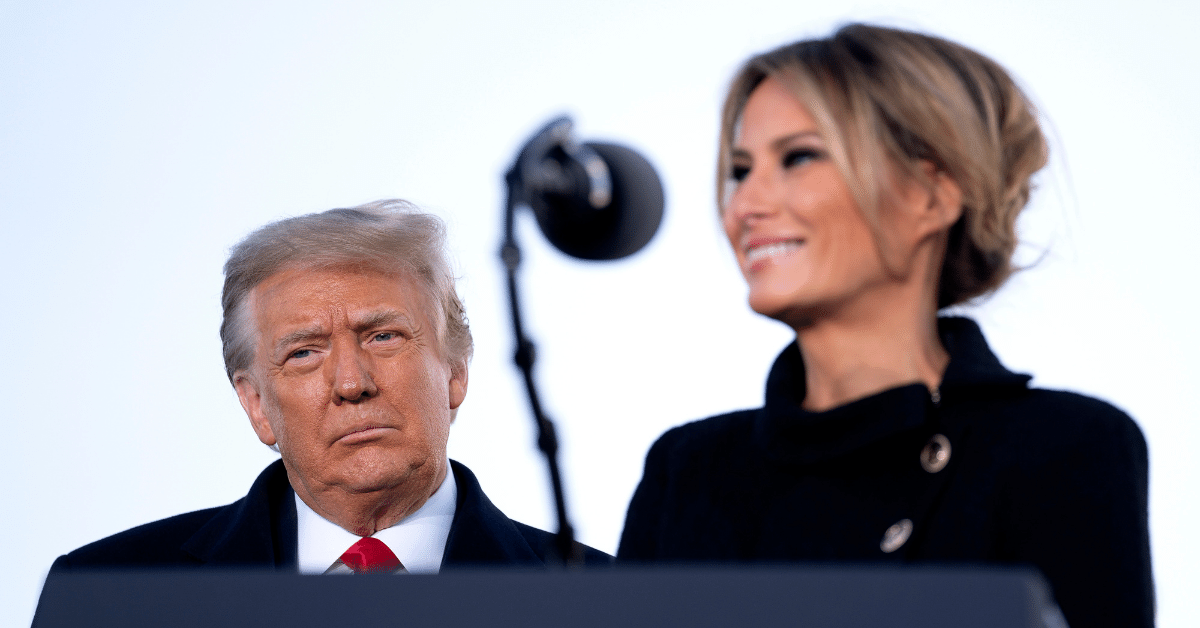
510 254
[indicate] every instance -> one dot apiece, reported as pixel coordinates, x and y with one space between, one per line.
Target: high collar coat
986 470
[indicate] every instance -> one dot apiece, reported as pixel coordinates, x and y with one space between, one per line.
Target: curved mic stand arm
510 255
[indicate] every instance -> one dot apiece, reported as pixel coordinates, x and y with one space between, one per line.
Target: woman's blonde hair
885 98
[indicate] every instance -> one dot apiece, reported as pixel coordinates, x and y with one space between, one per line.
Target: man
348 348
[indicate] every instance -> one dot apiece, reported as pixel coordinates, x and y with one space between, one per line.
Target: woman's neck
848 357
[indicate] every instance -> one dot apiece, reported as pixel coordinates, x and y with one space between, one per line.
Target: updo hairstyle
883 98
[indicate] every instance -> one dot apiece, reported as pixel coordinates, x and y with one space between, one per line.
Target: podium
816 596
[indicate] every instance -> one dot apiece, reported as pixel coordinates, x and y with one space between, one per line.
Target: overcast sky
140 140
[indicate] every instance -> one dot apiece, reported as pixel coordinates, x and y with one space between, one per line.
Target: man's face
349 380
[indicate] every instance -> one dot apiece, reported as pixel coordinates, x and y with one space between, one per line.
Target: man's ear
458 384
251 400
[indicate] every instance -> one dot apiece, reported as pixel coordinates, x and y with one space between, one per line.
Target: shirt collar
418 540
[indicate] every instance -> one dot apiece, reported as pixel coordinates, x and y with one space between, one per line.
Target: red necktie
370 555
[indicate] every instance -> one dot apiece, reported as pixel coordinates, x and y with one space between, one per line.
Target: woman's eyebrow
778 144
781 143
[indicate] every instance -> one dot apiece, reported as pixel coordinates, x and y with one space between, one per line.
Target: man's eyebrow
382 317
299 336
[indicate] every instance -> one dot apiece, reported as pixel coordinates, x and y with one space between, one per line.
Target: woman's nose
754 196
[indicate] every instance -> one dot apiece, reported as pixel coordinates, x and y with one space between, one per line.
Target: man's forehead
300 297
299 277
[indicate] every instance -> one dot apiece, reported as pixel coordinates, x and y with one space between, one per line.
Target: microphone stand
510 254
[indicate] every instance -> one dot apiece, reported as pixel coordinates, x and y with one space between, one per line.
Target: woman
866 181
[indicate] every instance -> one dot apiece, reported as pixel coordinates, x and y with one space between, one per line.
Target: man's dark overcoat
259 531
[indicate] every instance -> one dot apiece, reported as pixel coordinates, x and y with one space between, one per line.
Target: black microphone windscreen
618 230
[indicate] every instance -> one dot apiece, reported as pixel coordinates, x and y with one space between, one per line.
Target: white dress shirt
418 540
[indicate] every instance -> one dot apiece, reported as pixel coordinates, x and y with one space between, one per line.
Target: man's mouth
364 434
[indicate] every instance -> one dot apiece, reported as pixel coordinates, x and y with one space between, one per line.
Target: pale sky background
140 140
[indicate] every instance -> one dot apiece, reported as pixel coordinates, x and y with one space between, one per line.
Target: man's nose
351 374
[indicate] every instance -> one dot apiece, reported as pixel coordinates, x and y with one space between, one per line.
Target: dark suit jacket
259 531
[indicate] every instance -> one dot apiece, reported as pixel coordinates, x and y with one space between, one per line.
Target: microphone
592 200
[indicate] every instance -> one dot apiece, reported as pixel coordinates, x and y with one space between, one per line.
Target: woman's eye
738 173
799 156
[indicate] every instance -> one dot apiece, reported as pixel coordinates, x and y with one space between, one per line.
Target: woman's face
801 242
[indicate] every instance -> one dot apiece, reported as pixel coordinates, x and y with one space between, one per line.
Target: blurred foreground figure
866 181
348 347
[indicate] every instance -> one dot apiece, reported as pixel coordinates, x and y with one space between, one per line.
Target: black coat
1052 479
259 531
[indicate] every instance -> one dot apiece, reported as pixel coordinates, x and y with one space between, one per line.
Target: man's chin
385 471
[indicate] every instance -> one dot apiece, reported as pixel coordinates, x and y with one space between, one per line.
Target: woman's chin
789 311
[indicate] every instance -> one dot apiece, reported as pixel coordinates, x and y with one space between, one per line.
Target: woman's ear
943 205
923 203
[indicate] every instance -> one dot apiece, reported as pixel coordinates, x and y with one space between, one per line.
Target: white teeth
770 250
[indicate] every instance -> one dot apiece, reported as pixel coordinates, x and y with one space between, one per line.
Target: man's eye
301 354
384 336
799 156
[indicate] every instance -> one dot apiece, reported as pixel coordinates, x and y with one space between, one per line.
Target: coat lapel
258 530
480 534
